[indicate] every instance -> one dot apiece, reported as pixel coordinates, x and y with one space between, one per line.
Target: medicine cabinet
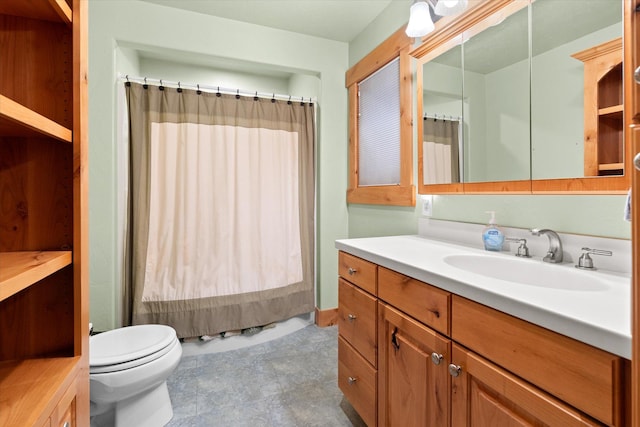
535 91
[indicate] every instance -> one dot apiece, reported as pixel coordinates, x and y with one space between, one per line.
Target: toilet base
149 409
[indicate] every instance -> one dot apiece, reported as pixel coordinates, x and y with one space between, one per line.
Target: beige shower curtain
221 210
441 151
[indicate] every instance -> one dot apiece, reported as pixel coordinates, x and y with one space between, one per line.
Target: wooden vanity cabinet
583 376
444 360
358 339
44 305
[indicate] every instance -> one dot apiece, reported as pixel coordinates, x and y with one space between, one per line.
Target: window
380 126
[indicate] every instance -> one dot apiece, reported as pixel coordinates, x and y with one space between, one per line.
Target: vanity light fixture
420 21
450 7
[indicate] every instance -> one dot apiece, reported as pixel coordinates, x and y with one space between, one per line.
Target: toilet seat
128 347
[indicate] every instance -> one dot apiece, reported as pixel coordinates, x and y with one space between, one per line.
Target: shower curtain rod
212 89
441 117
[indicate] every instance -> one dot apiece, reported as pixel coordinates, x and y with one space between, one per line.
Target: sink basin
527 272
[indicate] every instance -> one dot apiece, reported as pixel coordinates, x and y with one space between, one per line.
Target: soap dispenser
492 235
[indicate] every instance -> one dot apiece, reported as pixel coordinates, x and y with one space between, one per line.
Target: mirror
524 124
496 99
565 42
442 126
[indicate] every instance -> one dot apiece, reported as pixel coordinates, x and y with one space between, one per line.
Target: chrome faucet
554 253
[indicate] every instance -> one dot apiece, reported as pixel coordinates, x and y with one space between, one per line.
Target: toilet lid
127 344
135 362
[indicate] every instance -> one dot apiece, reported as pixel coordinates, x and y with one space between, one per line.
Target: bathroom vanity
425 338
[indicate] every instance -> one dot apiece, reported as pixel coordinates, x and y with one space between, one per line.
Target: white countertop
600 318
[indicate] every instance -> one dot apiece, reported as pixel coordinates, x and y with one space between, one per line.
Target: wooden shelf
18 120
52 10
31 388
614 110
611 166
19 270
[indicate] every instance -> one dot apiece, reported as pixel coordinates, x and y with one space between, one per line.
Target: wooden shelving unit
44 345
603 109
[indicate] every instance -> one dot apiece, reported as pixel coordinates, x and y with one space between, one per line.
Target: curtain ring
237 93
289 101
161 87
179 88
273 98
127 83
255 98
145 85
302 101
218 94
199 92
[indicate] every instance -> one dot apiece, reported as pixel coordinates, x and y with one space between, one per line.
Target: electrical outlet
427 205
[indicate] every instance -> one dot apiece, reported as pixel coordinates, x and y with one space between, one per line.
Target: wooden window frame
403 194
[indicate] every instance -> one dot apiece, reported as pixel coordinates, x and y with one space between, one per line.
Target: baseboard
326 317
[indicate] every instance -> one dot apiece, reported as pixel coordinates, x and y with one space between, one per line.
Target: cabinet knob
636 161
436 358
352 380
636 75
352 317
66 424
352 271
454 370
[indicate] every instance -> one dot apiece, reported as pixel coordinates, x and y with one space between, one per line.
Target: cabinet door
413 383
482 394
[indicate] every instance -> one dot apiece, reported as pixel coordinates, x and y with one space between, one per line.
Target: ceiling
340 20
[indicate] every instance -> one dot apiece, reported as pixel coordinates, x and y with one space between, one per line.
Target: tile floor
286 382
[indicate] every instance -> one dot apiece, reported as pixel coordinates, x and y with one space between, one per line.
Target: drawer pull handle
352 380
67 424
352 271
436 358
454 370
352 317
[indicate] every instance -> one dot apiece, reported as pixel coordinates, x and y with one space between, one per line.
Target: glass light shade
450 7
420 22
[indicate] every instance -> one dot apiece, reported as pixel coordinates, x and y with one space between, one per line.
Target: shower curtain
441 151
221 209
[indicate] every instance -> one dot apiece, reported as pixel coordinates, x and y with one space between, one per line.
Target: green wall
118 31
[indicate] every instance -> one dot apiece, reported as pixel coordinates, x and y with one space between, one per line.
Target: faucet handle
523 250
585 262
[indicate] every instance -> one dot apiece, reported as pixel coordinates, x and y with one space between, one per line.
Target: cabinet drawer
420 300
357 271
357 319
581 375
357 380
64 415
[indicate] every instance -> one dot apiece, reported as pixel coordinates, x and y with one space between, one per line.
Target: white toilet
128 371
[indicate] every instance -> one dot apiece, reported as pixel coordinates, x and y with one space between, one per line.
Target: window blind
379 127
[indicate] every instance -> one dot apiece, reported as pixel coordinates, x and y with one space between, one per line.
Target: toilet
128 369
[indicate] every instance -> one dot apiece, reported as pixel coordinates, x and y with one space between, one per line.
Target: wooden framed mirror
524 127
